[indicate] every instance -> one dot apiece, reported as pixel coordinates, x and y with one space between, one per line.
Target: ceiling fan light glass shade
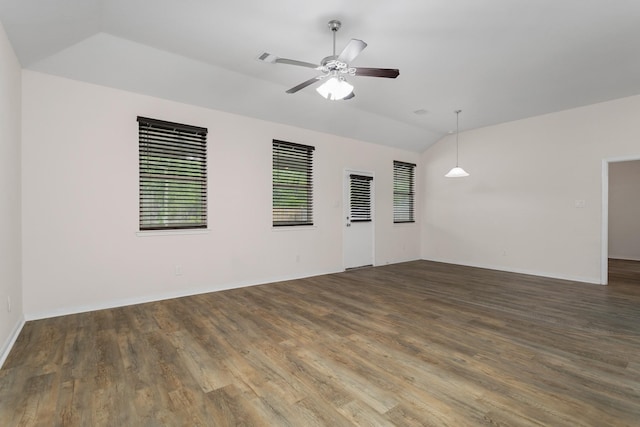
457 172
335 89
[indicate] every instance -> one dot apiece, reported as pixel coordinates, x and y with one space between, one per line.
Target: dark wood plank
412 344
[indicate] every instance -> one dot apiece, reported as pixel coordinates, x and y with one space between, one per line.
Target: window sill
404 224
171 232
293 227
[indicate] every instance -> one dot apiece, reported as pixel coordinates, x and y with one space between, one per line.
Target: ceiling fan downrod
334 26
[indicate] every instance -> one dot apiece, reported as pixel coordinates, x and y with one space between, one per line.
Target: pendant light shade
457 172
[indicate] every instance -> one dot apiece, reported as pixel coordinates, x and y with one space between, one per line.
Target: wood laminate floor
410 344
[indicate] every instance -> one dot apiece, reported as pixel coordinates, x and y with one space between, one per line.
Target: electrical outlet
178 270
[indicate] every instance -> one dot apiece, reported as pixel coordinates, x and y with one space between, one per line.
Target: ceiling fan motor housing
331 65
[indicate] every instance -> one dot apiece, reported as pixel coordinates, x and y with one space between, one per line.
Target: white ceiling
497 60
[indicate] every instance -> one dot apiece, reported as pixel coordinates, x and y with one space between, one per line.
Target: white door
358 219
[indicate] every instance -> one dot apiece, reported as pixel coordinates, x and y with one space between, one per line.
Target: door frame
604 245
346 211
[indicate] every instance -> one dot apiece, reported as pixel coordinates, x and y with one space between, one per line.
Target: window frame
360 190
404 199
289 190
172 165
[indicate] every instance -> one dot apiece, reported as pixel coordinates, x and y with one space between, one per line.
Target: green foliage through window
292 184
403 192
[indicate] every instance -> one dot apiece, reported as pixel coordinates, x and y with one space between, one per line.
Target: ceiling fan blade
391 73
273 59
304 84
352 50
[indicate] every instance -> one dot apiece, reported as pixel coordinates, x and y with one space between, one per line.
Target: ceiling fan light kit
334 68
457 171
335 88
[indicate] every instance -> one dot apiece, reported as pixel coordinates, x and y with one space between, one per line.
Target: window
173 175
360 198
403 192
292 184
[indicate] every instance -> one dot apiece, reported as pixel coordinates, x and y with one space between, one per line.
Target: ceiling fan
334 68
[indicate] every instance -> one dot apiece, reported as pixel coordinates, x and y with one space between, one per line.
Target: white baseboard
583 279
63 311
624 258
11 340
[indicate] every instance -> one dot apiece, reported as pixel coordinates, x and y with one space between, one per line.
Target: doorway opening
620 207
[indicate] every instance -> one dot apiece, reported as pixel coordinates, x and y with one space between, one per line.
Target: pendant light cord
457 132
457 172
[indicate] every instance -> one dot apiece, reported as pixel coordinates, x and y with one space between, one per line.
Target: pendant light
457 172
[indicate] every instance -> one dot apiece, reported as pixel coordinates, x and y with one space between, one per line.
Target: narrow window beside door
292 184
173 175
403 192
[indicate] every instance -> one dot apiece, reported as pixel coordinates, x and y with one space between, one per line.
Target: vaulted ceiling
497 60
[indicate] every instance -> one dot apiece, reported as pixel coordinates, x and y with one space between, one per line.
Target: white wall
624 210
10 222
517 211
80 202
